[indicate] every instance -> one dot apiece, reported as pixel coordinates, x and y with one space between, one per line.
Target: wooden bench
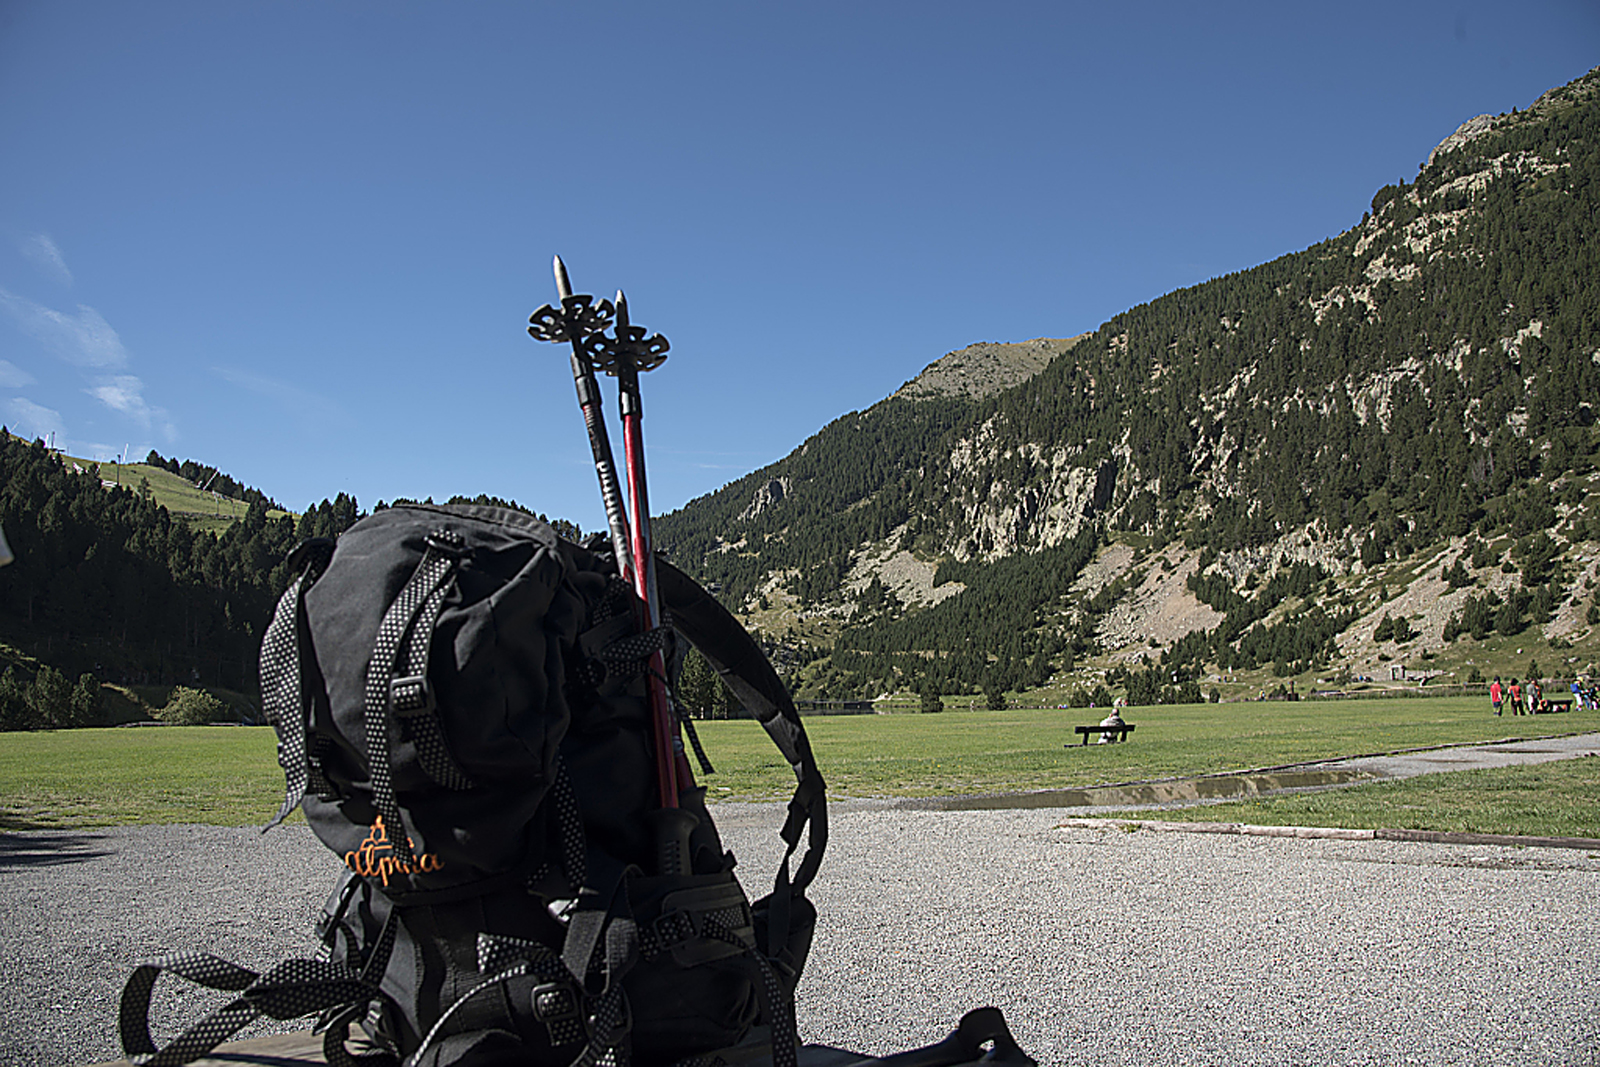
1122 731
305 1050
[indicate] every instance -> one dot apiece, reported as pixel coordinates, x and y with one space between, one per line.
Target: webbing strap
776 1004
504 958
559 1002
569 824
282 697
694 738
807 808
438 564
608 1033
414 699
571 859
336 1031
292 988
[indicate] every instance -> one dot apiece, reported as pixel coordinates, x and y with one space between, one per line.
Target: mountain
1265 476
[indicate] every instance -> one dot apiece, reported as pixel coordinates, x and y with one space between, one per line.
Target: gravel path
1220 949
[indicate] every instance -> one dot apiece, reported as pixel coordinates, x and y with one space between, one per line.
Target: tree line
110 586
108 583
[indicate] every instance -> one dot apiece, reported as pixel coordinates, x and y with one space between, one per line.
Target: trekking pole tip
563 285
622 309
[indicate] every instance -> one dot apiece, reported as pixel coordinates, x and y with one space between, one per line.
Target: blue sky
300 241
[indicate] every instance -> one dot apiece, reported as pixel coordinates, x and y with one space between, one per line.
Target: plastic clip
412 696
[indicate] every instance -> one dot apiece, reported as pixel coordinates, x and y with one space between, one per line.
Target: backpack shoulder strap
283 697
739 661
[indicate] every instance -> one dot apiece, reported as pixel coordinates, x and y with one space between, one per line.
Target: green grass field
219 775
229 775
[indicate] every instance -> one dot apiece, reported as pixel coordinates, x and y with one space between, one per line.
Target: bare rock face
985 368
1470 130
772 492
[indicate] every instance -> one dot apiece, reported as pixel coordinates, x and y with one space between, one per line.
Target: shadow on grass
44 848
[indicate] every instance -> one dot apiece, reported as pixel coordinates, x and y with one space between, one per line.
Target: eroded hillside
1250 475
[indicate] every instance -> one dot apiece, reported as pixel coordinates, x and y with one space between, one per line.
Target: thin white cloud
125 393
293 398
29 420
41 248
84 339
13 376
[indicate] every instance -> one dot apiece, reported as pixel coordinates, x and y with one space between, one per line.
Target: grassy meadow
206 511
229 775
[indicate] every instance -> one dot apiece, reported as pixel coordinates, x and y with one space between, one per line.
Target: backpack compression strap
292 988
741 664
389 694
282 696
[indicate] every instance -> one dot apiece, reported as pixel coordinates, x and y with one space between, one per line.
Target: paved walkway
1510 753
1269 781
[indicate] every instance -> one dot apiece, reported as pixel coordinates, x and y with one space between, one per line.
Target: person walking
1495 695
1516 697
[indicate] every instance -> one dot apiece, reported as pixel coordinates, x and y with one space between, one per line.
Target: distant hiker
1495 695
1114 719
1516 697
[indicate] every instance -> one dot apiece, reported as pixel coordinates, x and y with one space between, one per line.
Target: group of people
1529 699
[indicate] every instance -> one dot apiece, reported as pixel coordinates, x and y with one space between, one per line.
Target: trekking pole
625 356
576 321
582 323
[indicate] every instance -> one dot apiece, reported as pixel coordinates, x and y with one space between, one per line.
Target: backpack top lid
433 646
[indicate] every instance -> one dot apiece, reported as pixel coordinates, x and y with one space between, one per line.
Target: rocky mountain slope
1242 480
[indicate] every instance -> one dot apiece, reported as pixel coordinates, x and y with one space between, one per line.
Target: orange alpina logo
375 858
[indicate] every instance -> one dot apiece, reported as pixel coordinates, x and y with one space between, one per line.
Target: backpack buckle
412 696
447 543
556 1005
673 928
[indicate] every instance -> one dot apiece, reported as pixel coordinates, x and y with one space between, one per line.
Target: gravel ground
1102 946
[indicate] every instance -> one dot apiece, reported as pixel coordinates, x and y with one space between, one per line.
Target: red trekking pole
624 356
582 323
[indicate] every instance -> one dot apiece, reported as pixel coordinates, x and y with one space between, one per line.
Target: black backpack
459 697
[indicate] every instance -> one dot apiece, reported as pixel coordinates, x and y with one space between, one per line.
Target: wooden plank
304 1049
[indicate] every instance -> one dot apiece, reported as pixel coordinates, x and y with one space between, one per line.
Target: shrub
191 707
85 701
15 712
50 697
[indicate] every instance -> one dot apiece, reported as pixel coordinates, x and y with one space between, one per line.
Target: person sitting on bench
1114 719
